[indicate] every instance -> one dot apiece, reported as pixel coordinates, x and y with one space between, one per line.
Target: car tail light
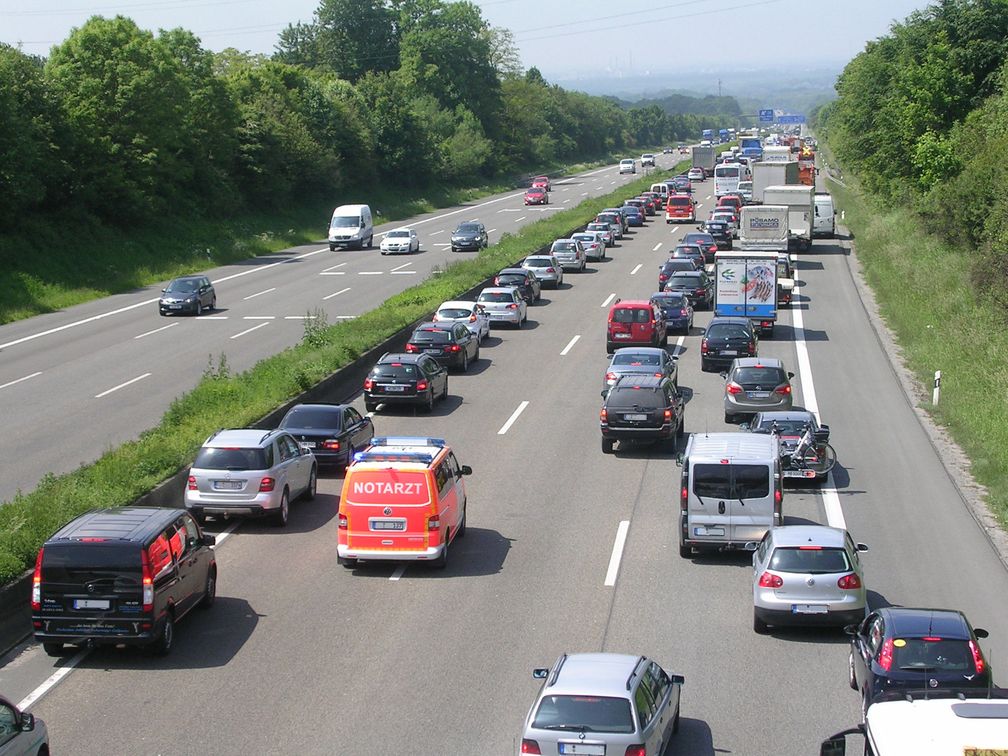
472 318
147 581
550 270
610 376
267 484
662 277
36 597
496 281
191 483
635 750
712 248
530 746
668 416
698 292
434 522
752 347
885 655
421 385
769 580
512 307
412 348
978 659
683 498
733 388
342 521
368 384
784 389
604 415
777 496
331 443
684 311
453 348
703 346
849 582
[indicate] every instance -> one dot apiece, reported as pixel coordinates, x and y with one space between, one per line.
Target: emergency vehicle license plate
399 525
809 609
592 749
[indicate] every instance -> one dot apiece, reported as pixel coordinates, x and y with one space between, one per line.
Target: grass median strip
224 400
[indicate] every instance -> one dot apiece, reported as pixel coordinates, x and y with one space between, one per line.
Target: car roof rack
556 669
629 680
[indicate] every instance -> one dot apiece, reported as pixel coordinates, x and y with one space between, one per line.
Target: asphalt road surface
301 655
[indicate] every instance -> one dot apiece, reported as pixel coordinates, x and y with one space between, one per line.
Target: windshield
761 375
345 221
468 228
691 282
727 331
187 286
623 397
397 235
395 370
810 560
312 417
584 713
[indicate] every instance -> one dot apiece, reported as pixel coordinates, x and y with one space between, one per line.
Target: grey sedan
643 360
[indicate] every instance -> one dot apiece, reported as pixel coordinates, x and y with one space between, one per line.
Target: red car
536 196
733 201
542 182
680 207
635 321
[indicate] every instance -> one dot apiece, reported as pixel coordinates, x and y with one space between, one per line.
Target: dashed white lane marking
435 233
223 535
514 416
336 293
608 299
657 247
637 267
400 267
707 197
24 378
370 272
332 273
678 346
491 230
212 317
148 333
334 267
122 385
519 220
300 317
584 194
259 293
404 272
617 552
570 344
51 681
249 330
565 202
259 317
394 577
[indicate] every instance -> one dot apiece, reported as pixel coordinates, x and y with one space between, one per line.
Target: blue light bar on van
407 441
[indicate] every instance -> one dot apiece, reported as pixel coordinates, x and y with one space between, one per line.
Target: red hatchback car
680 207
542 182
536 196
635 322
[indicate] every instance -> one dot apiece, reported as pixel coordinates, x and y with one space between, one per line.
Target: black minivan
124 575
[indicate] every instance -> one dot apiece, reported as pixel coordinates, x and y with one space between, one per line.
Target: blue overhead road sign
766 116
790 119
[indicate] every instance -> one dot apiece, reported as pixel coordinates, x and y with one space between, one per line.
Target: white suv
628 166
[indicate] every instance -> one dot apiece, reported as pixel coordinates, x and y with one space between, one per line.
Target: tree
354 37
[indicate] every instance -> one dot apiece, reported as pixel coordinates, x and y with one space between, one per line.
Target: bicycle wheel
820 458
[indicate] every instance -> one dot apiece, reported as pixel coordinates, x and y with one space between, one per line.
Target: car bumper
263 503
396 399
513 319
735 406
368 555
638 434
848 615
177 309
98 630
465 246
721 361
570 264
397 250
677 323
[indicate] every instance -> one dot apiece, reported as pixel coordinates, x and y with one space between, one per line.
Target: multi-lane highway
78 382
300 655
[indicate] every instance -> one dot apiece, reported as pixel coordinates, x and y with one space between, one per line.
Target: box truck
703 157
800 201
745 286
764 228
772 174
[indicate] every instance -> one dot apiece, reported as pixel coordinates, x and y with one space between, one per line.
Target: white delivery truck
772 174
764 228
800 204
745 286
777 154
703 157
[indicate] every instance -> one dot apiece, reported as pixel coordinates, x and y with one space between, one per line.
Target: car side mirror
744 426
27 722
979 632
677 679
605 393
861 546
209 540
466 470
164 290
540 673
724 375
790 375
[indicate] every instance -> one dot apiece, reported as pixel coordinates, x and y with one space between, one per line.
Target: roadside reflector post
843 215
937 388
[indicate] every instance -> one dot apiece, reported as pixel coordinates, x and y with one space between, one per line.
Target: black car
724 340
706 243
641 408
470 236
332 431
669 267
405 379
721 231
697 285
190 294
899 647
691 251
124 575
452 344
522 279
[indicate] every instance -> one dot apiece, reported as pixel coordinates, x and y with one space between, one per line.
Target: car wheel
213 303
864 706
851 677
371 406
462 525
609 348
429 406
209 589
675 722
442 561
346 562
332 247
476 356
704 366
163 645
685 550
444 392
283 513
729 418
607 446
370 241
312 489
53 649
759 626
199 308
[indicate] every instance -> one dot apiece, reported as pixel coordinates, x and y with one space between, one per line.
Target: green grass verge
924 294
222 400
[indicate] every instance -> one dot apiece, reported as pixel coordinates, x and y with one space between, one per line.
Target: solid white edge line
249 330
608 299
223 535
636 268
148 333
18 380
259 293
394 577
336 294
514 416
617 553
51 681
121 385
571 343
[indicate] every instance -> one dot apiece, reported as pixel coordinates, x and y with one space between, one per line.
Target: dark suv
522 279
697 286
469 236
724 340
451 344
405 379
641 408
121 576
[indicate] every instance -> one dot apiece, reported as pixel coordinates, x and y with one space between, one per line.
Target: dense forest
922 119
119 125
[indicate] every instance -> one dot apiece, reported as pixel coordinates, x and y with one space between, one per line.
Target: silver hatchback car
756 384
546 268
597 703
641 361
807 575
570 254
250 473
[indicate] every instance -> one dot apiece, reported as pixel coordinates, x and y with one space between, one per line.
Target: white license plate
635 417
758 394
729 352
590 749
174 307
227 485
432 351
498 315
622 335
308 444
809 609
91 604
702 531
395 388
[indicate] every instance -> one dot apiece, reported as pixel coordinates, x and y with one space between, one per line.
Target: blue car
677 309
634 215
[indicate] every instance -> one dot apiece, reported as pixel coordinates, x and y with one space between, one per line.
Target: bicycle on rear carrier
811 458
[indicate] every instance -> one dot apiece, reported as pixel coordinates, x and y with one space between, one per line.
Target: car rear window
313 417
679 201
401 372
815 561
632 315
452 313
495 296
738 481
511 279
788 427
698 239
563 246
431 336
762 375
629 396
234 459
636 359
939 655
585 238
584 713
727 331
68 562
537 262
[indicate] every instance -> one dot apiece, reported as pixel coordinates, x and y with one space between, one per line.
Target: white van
661 189
731 491
351 226
825 216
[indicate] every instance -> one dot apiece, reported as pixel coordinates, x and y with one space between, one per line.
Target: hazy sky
563 38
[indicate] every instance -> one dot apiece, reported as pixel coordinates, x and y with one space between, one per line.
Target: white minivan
731 491
825 216
351 226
